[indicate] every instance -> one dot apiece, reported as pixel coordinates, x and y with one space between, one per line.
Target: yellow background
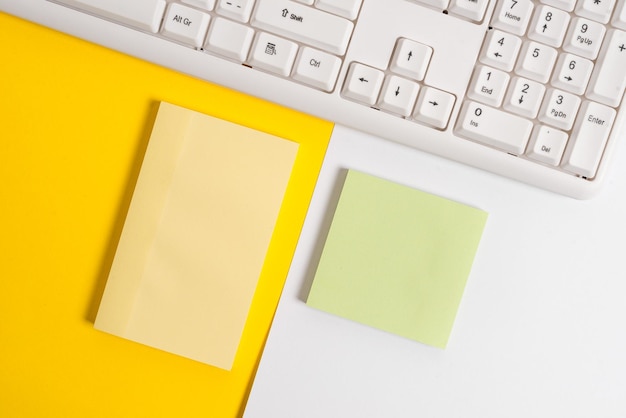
75 122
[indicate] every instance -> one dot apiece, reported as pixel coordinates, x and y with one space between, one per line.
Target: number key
500 50
488 85
584 38
559 109
485 124
549 25
513 16
536 61
572 73
524 97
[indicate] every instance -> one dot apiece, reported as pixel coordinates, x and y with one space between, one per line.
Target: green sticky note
397 259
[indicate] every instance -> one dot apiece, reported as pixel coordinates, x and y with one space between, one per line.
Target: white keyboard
528 90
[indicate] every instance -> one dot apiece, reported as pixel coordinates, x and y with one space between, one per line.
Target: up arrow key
411 59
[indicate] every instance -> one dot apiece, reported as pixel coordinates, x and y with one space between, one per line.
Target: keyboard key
229 39
547 145
273 53
185 24
488 85
524 97
512 16
434 107
471 9
411 59
567 5
536 61
500 50
608 79
202 4
440 5
238 10
619 17
345 8
548 25
484 124
559 109
572 73
398 95
140 14
363 83
588 140
584 38
317 68
598 10
305 24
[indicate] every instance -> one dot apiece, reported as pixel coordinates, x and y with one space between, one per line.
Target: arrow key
434 107
398 95
572 73
362 83
411 59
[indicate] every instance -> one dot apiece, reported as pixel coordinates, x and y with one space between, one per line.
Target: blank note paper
396 259
196 234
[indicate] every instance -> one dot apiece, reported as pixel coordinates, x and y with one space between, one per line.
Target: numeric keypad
541 62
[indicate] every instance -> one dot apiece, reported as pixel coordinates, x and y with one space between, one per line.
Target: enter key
587 143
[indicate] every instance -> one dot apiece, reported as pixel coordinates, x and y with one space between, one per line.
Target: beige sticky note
196 234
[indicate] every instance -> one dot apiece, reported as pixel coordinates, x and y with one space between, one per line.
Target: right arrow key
434 107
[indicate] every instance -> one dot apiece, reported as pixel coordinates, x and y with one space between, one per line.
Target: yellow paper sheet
77 119
195 238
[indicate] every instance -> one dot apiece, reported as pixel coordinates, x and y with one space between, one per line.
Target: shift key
301 23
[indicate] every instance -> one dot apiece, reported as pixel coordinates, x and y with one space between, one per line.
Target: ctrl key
493 127
588 140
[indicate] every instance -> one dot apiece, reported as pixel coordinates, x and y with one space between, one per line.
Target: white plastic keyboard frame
365 46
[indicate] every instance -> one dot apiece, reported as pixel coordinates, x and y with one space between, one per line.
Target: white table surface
540 332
